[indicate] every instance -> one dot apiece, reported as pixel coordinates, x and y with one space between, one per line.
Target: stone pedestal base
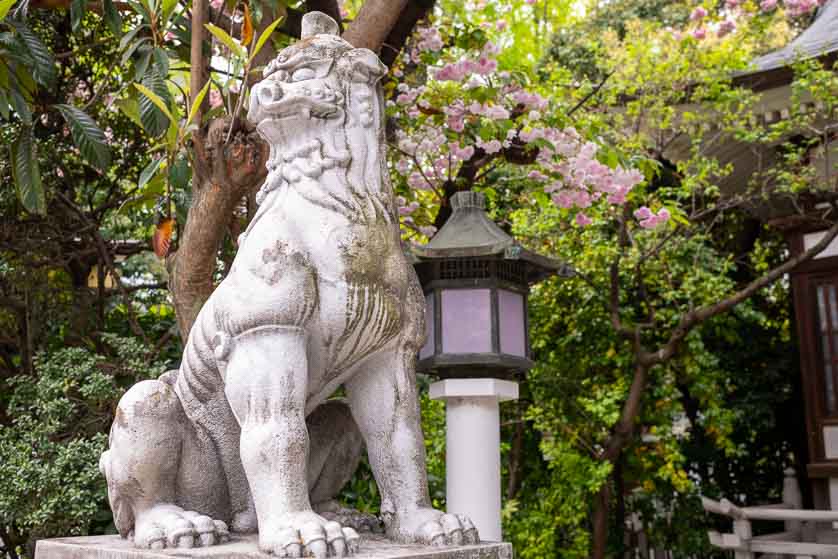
244 547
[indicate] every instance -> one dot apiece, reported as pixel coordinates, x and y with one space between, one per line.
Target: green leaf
20 106
4 76
88 137
197 103
222 36
173 133
126 56
43 69
26 173
141 63
112 17
76 13
156 99
5 6
168 7
179 174
154 110
161 60
4 105
128 37
131 108
263 38
149 172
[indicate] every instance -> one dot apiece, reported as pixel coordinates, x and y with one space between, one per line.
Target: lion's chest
345 282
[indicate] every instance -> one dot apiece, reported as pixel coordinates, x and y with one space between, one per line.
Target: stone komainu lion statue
320 296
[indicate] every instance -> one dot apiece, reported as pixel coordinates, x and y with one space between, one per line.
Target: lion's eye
301 74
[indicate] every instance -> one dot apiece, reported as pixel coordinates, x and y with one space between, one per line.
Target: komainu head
320 110
312 80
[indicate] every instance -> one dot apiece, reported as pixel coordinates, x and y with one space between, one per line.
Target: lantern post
476 280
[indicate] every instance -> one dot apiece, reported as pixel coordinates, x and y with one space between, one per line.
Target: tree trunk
222 175
602 503
374 22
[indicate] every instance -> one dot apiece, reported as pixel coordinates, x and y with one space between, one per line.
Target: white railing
801 531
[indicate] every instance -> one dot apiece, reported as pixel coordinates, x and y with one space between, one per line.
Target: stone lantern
476 279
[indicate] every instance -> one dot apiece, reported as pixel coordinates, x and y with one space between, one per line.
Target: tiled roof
818 39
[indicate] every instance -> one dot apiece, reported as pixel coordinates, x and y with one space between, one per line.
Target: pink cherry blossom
403 166
699 33
417 181
582 220
492 146
490 49
533 100
796 8
726 27
428 230
537 175
768 5
501 25
459 153
456 123
495 112
429 39
647 219
643 212
562 200
216 4
486 66
698 14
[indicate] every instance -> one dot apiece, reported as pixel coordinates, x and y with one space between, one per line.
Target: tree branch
696 317
374 22
197 61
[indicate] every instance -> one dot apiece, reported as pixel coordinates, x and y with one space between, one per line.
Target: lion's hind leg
143 469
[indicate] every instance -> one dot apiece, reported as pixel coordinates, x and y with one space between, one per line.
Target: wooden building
814 284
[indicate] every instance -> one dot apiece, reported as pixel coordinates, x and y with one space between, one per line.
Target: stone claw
353 540
168 526
431 527
470 535
307 534
453 529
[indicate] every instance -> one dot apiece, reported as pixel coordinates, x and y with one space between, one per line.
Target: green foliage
27 173
49 479
87 135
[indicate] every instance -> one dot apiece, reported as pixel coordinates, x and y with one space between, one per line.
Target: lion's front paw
432 527
166 525
303 534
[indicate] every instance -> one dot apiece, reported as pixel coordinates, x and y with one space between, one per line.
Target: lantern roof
470 233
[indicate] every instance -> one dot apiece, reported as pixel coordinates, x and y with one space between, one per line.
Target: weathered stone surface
244 547
320 296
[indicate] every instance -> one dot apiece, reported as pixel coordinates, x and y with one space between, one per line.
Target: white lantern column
476 279
472 448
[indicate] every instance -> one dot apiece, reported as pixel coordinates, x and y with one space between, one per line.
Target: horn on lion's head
318 23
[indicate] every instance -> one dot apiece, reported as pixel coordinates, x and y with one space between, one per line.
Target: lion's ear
362 65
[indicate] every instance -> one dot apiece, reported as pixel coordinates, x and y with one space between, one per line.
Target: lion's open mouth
301 107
